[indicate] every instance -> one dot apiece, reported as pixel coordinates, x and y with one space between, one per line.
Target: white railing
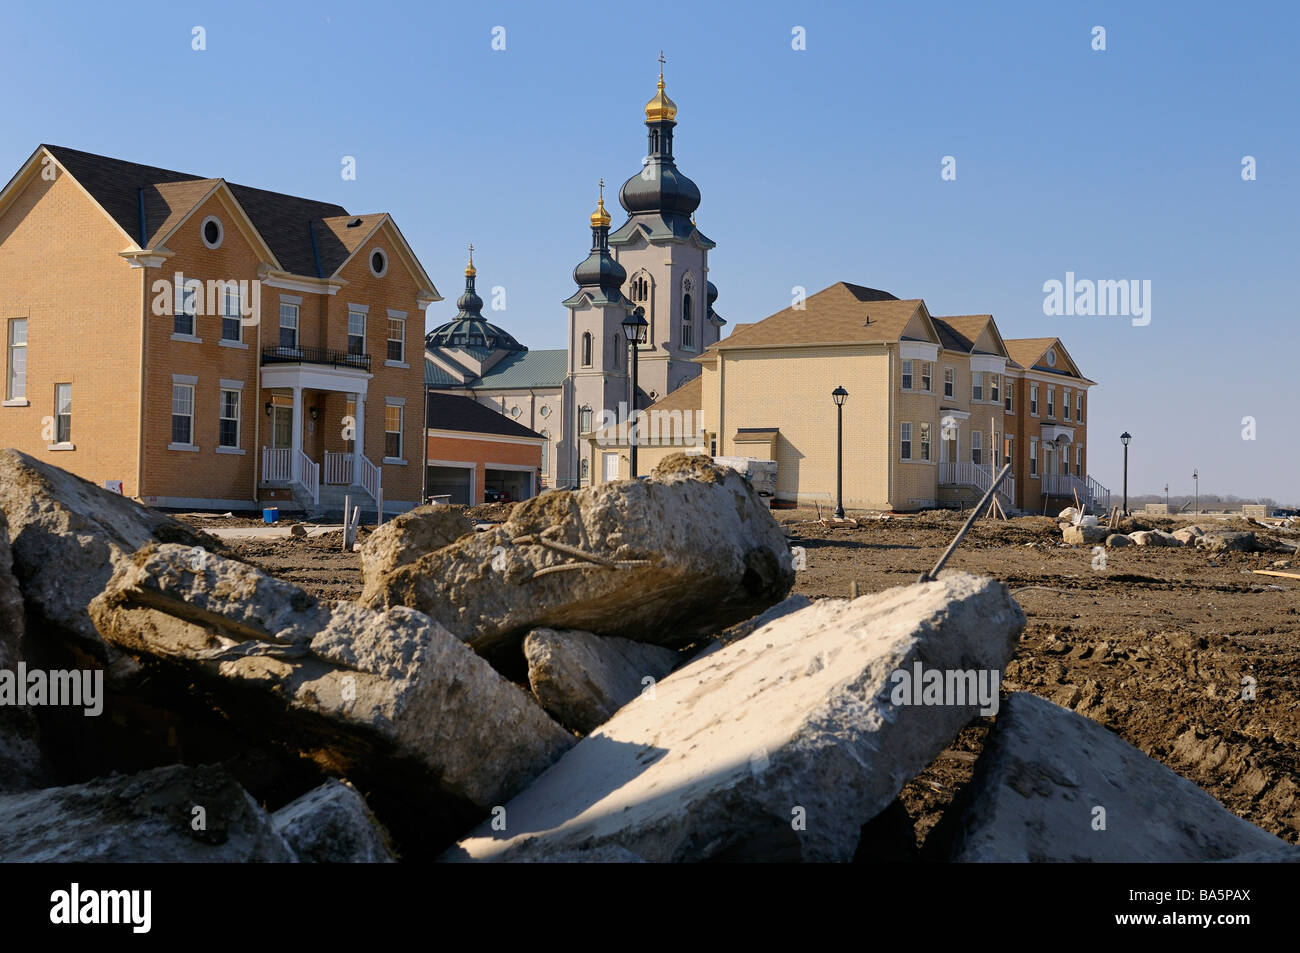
338 468
966 473
1089 491
309 476
1099 494
277 465
371 478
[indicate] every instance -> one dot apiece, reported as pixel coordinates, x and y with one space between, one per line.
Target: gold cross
471 253
661 64
602 189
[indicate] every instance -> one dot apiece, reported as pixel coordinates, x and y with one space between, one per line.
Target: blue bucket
270 514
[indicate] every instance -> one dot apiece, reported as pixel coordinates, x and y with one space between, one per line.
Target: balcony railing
966 473
315 355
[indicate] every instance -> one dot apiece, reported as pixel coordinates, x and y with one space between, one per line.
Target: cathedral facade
656 261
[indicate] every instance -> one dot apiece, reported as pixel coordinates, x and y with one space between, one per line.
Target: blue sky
816 166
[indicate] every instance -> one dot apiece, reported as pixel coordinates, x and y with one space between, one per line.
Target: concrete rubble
1051 785
166 815
582 679
21 762
779 746
363 692
405 538
69 536
669 559
332 824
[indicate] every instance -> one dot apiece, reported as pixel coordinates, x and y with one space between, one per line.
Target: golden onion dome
600 217
470 272
661 108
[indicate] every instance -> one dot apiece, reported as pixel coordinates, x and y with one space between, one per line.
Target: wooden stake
1274 572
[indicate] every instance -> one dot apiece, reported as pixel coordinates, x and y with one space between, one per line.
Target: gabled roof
689 396
306 237
961 332
453 412
435 376
1029 353
844 313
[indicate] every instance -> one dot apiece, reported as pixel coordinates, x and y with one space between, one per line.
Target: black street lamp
1196 479
634 329
1124 438
839 395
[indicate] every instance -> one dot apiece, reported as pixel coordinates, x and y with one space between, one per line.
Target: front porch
316 430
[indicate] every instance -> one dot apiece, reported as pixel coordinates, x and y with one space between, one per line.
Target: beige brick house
936 405
205 344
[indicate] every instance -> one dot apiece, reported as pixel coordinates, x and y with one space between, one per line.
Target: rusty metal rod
970 521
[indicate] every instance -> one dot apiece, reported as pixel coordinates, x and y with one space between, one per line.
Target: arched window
640 289
586 349
618 346
688 327
586 471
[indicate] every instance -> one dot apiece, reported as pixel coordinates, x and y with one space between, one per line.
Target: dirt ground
1155 645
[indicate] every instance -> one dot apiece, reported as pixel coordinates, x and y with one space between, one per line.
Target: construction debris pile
617 673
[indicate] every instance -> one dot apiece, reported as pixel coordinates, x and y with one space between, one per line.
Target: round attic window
212 232
378 263
514 411
1051 357
545 411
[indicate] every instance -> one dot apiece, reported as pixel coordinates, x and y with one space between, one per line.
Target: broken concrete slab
389 699
1188 535
1117 541
166 815
407 537
1154 537
1052 785
1227 542
669 560
581 679
332 824
68 538
785 607
1081 535
778 746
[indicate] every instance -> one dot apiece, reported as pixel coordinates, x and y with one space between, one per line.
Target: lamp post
839 395
1196 479
1124 438
634 329
1166 497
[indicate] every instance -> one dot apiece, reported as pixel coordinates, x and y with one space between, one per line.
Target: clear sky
816 165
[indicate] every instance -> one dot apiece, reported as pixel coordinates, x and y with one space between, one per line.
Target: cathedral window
688 328
618 347
586 349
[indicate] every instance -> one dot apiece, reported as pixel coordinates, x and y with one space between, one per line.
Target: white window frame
927 377
1033 456
1033 400
923 437
186 303
370 262
995 388
295 308
12 396
203 232
398 403
908 377
1065 403
1078 460
1051 401
63 442
949 381
395 318
905 441
222 418
1078 406
181 383
977 447
1009 450
237 316
355 312
1008 396
977 386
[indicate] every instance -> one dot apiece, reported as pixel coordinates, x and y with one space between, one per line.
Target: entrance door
610 463
281 427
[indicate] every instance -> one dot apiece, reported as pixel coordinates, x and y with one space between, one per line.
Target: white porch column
358 445
296 441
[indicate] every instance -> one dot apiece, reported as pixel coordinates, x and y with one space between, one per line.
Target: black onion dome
662 188
599 270
469 303
711 293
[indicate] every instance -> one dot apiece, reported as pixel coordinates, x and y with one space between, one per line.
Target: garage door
517 483
450 481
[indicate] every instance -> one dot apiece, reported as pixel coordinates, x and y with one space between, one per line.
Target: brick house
208 345
935 406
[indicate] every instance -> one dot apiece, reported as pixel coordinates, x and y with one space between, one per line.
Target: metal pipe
970 521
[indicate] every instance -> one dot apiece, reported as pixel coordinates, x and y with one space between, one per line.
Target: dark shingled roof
285 222
453 412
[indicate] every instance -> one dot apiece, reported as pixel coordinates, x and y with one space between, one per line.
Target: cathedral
656 261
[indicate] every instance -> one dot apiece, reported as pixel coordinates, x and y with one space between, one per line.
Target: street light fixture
1124 438
1196 479
839 395
635 327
